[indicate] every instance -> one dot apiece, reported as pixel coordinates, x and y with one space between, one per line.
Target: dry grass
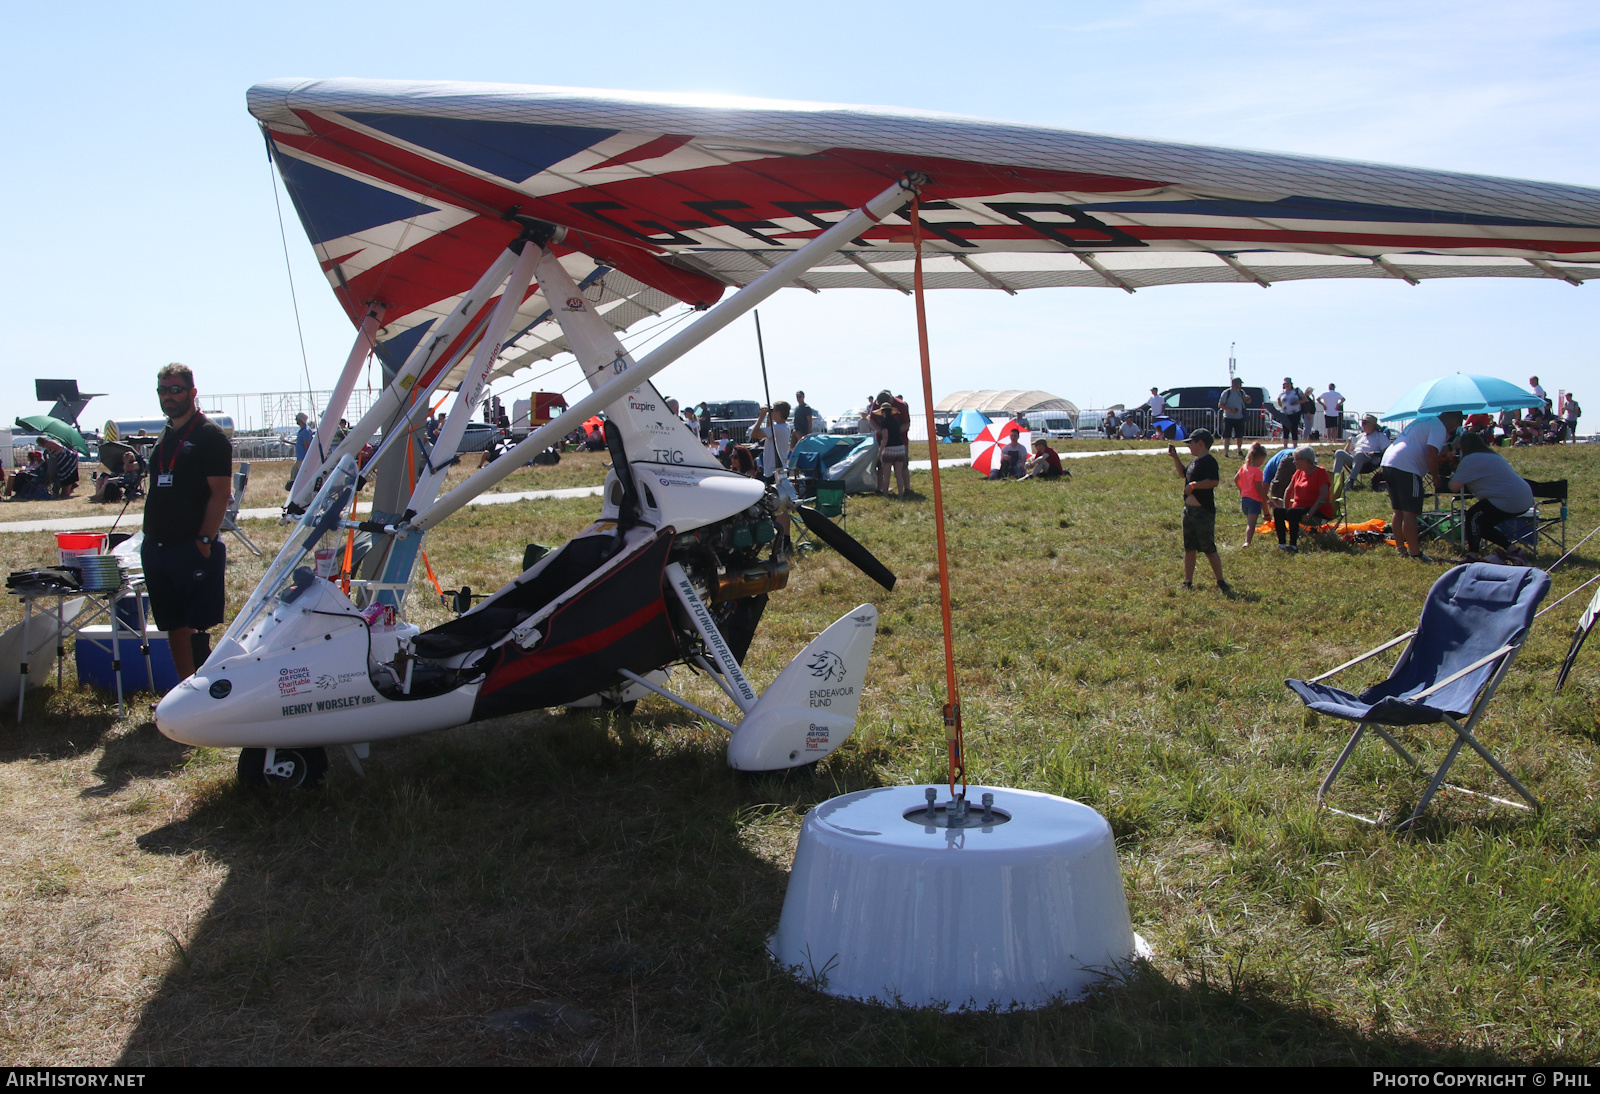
156 913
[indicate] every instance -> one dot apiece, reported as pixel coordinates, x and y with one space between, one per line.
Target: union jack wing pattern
405 190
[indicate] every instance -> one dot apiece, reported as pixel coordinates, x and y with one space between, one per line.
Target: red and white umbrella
995 436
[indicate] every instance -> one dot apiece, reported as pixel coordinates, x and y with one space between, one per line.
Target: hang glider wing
405 189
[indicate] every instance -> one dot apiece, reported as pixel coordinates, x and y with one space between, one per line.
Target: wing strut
312 467
470 393
784 273
389 408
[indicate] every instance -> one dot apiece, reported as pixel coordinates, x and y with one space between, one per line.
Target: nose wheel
284 769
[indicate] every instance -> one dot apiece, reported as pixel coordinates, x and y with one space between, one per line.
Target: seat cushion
1342 704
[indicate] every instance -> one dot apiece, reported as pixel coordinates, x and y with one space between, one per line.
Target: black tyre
309 766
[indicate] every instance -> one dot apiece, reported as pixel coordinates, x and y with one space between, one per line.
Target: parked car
1052 424
477 437
1194 407
737 415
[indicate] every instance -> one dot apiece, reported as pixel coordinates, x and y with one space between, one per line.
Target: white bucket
890 909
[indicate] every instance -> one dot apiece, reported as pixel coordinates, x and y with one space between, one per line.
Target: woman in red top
1310 492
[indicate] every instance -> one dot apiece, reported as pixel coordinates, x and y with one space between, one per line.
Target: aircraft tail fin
810 709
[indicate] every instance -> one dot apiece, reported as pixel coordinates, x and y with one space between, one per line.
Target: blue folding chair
1473 624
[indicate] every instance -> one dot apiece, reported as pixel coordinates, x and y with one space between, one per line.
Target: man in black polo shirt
191 475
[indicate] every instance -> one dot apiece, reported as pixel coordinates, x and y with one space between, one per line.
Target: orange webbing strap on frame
952 707
350 540
426 565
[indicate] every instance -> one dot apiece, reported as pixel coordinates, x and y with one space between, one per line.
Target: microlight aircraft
470 230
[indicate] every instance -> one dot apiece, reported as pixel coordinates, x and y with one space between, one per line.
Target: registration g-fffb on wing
470 229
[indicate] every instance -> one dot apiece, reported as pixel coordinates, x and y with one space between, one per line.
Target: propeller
846 544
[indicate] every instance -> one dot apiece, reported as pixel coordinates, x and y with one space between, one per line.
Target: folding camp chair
830 500
230 516
1474 622
1549 514
1336 496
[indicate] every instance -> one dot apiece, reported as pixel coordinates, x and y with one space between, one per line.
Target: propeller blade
847 545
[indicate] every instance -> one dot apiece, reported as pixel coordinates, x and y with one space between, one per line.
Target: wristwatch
203 539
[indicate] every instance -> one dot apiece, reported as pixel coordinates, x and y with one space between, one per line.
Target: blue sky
144 230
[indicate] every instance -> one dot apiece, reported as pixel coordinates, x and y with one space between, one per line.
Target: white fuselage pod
684 498
304 678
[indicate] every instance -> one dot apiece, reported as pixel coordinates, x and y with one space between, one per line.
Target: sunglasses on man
172 389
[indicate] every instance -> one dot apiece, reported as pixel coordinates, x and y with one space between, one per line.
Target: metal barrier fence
272 447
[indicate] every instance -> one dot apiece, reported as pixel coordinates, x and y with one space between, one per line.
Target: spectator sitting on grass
1013 458
120 486
1045 463
1277 474
1201 477
60 468
27 483
1308 495
1129 430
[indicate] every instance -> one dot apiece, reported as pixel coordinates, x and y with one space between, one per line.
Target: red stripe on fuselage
526 666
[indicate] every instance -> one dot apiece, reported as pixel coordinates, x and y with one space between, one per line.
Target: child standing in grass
1252 489
1201 477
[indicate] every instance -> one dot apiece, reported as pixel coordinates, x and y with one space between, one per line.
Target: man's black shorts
1405 490
1233 427
186 590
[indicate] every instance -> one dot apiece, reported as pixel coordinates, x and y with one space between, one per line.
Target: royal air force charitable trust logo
293 681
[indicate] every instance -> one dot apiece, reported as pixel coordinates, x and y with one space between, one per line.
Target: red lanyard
161 449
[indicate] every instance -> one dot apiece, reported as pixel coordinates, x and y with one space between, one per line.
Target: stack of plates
100 572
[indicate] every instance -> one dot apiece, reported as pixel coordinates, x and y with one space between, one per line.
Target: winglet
810 709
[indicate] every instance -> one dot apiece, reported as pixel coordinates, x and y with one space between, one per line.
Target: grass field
617 871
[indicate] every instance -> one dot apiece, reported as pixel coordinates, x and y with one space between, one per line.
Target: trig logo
827 665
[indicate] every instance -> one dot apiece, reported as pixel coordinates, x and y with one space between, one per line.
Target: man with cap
1045 463
302 444
1156 405
1363 452
191 476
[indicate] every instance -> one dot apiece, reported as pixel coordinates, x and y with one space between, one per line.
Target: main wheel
307 766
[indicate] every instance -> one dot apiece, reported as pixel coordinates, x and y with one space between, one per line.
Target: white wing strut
391 405
331 413
784 273
470 393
